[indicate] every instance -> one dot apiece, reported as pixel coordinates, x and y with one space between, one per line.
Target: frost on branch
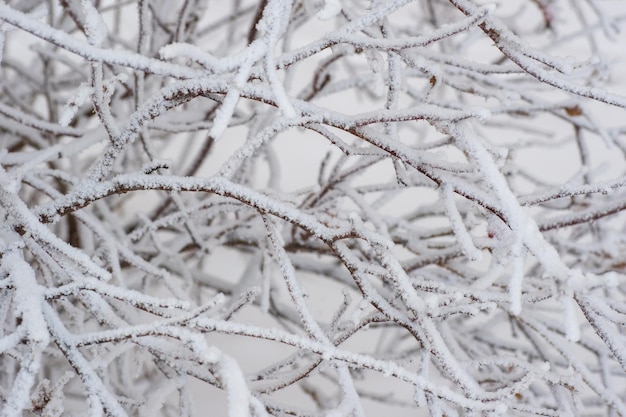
312 208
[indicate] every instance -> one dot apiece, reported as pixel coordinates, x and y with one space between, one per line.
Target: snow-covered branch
312 208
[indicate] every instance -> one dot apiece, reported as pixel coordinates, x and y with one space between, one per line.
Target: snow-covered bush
312 208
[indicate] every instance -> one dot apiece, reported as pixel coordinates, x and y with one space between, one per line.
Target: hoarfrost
419 205
95 28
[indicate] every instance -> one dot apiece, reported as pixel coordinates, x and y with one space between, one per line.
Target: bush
338 208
